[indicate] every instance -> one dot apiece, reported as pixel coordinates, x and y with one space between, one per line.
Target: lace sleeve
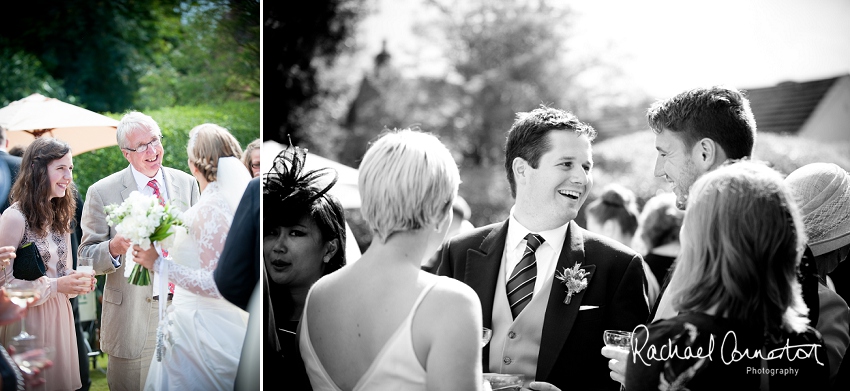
208 230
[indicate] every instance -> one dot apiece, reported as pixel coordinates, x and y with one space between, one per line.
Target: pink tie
152 184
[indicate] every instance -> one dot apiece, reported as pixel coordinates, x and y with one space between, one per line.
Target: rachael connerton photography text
670 350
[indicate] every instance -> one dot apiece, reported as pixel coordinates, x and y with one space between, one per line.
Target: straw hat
822 191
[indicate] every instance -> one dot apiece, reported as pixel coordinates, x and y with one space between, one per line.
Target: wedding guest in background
14 165
130 312
41 213
822 191
615 215
657 237
537 331
382 322
251 158
299 247
82 351
17 150
742 241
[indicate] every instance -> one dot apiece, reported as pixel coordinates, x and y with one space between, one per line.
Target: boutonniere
575 280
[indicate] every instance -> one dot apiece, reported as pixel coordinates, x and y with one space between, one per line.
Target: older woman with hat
822 191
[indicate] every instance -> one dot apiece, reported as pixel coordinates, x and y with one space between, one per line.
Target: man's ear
519 166
706 154
330 250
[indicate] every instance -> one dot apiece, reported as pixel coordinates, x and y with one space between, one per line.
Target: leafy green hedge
242 119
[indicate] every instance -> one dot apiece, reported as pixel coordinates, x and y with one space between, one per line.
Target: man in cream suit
130 312
512 265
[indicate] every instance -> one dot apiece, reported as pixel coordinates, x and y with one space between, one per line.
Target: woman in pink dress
42 208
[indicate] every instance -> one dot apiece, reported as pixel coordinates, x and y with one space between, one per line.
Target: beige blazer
126 307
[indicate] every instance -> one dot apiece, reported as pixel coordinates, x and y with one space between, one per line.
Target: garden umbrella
37 116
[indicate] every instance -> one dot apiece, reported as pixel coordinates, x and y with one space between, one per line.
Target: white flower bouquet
144 221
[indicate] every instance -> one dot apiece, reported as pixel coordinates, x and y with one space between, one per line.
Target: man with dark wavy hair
698 130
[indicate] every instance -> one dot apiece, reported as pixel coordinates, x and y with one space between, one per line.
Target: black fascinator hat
290 192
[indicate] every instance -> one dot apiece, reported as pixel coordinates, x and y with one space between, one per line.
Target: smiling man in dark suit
541 330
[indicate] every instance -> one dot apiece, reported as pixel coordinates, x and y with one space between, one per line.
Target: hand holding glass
86 265
618 338
31 355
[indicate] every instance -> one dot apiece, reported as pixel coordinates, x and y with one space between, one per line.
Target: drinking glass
31 355
85 264
485 336
20 292
504 382
618 338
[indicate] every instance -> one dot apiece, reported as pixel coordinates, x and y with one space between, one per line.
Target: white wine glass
21 292
485 336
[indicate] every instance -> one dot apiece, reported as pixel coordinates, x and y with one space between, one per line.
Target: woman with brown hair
43 205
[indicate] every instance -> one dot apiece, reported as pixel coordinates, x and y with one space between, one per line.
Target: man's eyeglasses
144 147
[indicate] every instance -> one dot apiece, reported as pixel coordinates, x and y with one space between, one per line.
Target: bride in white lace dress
202 333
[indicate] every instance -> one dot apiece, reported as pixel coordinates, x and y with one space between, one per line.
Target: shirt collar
516 234
142 179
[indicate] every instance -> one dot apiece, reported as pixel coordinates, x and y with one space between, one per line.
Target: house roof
784 108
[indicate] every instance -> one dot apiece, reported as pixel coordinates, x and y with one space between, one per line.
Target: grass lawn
98 374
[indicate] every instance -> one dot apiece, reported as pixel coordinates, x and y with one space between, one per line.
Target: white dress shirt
547 254
142 183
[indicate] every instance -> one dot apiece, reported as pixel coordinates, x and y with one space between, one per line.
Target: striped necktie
521 284
153 185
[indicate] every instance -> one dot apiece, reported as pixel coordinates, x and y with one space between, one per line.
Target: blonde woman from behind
382 323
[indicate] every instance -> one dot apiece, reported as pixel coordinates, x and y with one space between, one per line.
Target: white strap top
395 367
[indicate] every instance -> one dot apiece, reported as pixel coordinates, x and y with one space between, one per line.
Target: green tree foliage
94 48
242 119
110 56
213 55
300 38
21 75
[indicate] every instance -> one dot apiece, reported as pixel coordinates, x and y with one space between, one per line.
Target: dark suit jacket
14 164
570 349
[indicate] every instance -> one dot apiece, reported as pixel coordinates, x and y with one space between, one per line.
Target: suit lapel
482 269
170 186
482 273
560 317
129 184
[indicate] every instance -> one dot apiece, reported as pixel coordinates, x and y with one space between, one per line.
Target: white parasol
40 116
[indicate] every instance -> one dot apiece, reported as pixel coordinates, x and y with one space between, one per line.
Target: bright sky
666 46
